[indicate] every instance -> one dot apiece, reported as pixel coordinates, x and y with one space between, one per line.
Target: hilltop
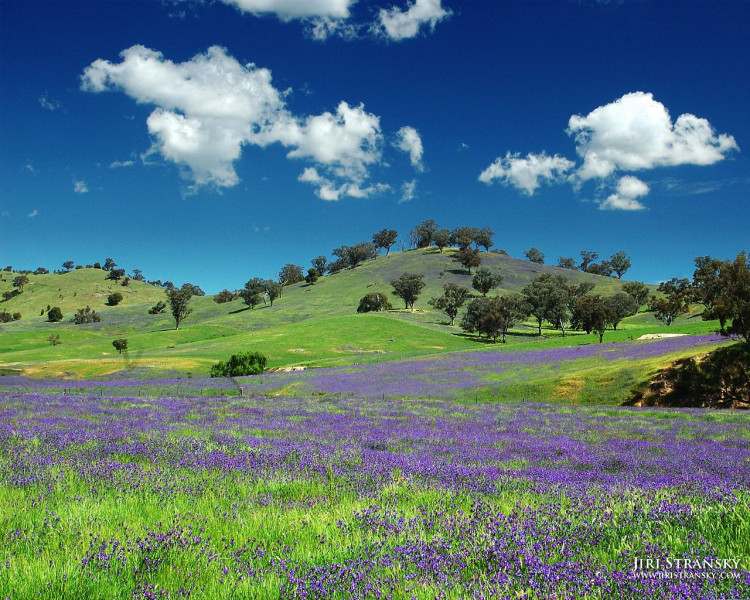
310 325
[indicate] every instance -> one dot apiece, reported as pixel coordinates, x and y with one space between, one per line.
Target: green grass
310 325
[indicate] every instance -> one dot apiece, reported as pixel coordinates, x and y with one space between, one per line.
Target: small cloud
526 174
118 164
47 104
628 189
397 24
29 168
408 191
462 147
80 187
33 214
409 141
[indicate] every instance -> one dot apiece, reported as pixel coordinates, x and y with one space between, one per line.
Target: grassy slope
311 325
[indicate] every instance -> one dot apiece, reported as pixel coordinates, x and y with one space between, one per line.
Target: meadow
393 480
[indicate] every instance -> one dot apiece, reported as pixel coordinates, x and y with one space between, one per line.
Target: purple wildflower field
357 496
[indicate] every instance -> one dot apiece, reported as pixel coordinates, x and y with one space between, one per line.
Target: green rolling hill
310 325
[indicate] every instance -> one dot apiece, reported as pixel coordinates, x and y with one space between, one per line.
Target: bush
114 299
157 308
244 363
225 296
86 315
5 317
16 316
54 339
55 315
374 302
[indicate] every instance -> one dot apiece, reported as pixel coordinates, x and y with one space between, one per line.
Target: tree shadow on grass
239 310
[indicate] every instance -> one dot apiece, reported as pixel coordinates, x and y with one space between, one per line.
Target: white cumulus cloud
629 188
398 24
210 106
527 173
31 215
408 140
636 132
287 10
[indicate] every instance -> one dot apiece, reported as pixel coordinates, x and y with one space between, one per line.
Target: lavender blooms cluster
433 499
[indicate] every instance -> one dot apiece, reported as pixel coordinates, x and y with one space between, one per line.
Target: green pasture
310 325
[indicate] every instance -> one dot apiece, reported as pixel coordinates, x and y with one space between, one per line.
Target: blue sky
215 141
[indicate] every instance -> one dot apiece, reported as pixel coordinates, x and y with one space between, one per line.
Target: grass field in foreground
316 497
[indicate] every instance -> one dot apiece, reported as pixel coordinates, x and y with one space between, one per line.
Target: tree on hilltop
442 239
534 255
68 265
483 238
619 263
423 233
468 257
385 238
290 274
109 264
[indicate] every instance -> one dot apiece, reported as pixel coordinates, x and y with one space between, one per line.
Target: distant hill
311 325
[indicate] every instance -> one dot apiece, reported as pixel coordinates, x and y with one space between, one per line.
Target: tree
442 239
68 265
463 236
374 302
674 302
125 282
115 274
138 275
109 264
620 263
453 298
541 296
484 280
361 252
638 291
254 292
54 314
114 299
621 305
273 290
408 287
178 300
468 258
240 365
592 314
493 317
735 300
566 263
225 296
290 274
157 308
19 282
708 288
559 311
587 257
86 315
320 264
603 268
534 255
483 238
424 232
41 271
385 238
120 344
312 276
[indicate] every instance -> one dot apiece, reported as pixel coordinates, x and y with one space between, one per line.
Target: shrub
114 299
54 339
225 296
55 315
120 344
374 302
86 315
16 316
157 308
244 363
5 317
